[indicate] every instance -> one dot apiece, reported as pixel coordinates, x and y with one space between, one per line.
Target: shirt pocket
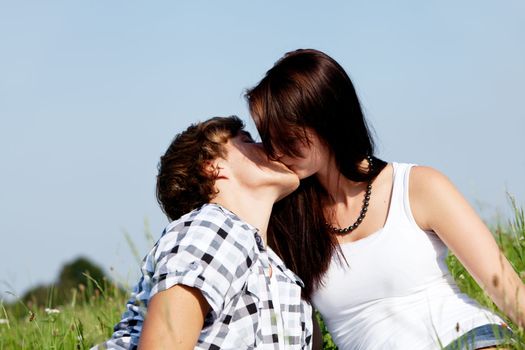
244 320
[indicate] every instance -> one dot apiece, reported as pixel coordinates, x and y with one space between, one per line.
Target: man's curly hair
182 182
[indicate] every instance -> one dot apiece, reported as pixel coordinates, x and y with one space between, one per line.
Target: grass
88 319
94 309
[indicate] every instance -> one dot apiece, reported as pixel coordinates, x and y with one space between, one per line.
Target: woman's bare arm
438 206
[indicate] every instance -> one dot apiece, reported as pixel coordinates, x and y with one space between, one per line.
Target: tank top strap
399 211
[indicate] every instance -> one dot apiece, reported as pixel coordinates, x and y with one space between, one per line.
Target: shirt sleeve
205 256
307 325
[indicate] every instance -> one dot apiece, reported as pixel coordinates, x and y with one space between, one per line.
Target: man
210 282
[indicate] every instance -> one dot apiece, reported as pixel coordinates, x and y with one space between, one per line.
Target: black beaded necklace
364 209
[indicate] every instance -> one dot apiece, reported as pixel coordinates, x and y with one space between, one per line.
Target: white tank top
396 291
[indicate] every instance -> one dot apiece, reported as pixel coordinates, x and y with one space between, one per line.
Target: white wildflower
4 321
51 311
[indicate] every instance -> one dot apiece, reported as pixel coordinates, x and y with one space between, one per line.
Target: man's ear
215 169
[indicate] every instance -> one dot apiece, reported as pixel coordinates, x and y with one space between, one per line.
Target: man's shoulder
209 220
209 232
206 216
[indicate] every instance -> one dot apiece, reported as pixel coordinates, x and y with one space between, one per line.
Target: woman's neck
339 188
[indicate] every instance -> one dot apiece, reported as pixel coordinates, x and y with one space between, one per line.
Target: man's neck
253 209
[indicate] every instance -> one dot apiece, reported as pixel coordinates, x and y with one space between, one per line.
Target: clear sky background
92 92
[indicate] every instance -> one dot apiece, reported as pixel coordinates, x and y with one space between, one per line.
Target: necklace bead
364 209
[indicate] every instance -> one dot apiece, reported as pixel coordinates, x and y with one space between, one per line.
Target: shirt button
194 265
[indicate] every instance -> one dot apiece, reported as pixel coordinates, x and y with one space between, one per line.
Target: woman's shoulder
425 179
421 176
429 189
425 182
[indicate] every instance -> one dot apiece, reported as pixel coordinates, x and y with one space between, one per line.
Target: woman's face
313 156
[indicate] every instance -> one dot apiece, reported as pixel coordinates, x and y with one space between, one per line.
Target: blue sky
92 92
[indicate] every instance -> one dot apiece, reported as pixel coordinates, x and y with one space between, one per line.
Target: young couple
363 240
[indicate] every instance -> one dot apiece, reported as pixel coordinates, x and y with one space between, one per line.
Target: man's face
252 168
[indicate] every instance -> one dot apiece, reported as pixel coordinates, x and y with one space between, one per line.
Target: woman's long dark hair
309 89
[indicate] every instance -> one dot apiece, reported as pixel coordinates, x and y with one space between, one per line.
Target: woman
369 238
